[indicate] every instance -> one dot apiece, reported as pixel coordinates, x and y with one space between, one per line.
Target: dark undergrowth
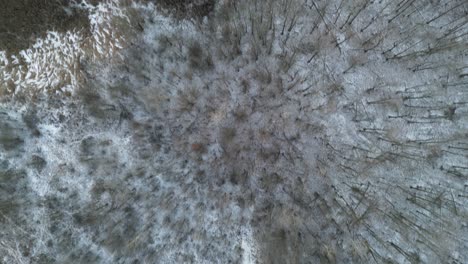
23 21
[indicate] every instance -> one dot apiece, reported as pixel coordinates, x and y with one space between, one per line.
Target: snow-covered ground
273 131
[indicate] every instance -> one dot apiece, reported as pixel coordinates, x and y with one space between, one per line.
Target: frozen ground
273 131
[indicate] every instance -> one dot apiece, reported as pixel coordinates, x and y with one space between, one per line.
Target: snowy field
248 131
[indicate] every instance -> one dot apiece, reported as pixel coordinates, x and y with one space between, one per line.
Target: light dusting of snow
269 132
52 64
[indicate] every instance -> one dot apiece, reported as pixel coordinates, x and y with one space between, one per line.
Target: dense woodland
249 131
